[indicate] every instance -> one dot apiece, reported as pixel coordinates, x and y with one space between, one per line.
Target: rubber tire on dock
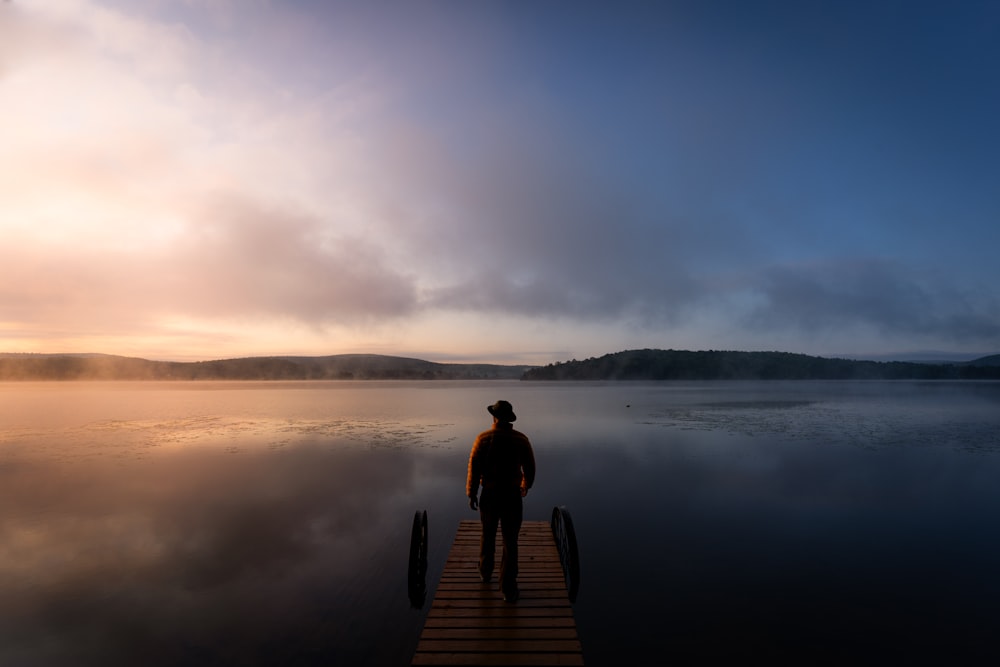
416 578
569 554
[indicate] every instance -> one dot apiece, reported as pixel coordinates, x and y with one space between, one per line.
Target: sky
509 182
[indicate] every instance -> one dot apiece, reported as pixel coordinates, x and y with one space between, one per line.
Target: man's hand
473 503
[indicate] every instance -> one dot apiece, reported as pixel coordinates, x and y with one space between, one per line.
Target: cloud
232 259
269 165
896 300
133 190
176 198
240 257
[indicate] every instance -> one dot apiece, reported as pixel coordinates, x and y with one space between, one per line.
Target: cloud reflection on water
197 557
271 525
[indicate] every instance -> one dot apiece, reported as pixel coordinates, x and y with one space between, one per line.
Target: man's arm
475 474
528 466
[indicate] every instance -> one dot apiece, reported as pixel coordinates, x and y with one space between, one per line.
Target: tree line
728 365
44 367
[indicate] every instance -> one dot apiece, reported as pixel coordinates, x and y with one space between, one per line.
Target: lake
226 523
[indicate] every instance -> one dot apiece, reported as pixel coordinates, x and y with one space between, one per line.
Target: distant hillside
722 365
336 367
992 360
627 365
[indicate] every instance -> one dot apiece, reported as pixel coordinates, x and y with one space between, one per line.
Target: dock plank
470 624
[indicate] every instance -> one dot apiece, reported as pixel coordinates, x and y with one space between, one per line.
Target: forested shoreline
44 367
647 364
730 365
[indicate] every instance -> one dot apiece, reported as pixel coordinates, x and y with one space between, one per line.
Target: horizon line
924 356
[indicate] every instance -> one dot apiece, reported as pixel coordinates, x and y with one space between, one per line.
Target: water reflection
738 549
199 558
248 525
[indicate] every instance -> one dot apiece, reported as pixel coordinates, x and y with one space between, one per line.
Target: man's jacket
501 458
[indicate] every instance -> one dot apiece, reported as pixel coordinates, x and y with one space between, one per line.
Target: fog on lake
226 523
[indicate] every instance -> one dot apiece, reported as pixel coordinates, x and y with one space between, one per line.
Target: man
503 462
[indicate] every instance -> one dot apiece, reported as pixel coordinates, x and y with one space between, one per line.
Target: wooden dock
470 624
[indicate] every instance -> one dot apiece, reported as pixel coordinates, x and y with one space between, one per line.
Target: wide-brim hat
502 410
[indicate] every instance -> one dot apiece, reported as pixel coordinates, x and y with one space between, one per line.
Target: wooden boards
470 624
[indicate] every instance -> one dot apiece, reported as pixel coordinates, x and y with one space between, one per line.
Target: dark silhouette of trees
628 365
335 367
728 365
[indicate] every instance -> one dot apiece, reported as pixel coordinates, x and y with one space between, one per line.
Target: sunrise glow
507 182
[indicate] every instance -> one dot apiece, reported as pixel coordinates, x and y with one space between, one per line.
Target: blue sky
505 181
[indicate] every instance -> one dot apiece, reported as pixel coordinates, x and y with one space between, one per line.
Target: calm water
268 524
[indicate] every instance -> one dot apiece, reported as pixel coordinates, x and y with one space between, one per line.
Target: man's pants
501 507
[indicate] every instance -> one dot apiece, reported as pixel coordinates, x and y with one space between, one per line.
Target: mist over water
268 523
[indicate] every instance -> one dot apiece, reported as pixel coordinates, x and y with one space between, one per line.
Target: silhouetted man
503 462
